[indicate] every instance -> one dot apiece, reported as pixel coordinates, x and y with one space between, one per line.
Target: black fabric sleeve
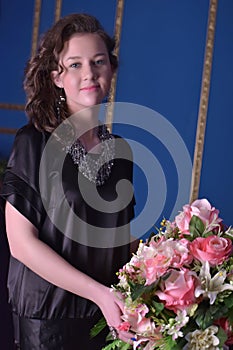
21 179
23 197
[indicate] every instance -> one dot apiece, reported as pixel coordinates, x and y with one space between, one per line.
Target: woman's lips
90 88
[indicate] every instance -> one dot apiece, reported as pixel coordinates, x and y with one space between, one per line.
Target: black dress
92 240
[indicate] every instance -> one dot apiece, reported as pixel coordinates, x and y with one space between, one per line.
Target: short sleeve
21 180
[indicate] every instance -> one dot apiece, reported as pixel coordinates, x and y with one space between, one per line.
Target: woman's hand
111 305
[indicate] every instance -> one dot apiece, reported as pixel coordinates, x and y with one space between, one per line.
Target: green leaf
230 315
207 234
196 226
98 327
158 307
229 301
167 344
137 290
207 313
117 345
222 336
181 342
172 344
126 346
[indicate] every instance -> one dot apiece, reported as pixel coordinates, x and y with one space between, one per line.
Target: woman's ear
56 78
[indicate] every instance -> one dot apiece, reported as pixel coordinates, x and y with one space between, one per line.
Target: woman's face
87 71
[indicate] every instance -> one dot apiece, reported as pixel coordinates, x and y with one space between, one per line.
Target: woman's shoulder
28 145
121 139
29 136
123 147
29 131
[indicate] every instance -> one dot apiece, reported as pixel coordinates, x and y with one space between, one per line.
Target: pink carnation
124 326
182 256
167 253
155 267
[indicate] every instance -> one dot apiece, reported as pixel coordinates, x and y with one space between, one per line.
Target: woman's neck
86 125
90 141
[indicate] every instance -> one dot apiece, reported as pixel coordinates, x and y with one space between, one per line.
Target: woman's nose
88 72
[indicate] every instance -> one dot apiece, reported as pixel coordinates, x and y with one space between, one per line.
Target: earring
60 102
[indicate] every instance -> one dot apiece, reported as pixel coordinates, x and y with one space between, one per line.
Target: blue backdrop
161 61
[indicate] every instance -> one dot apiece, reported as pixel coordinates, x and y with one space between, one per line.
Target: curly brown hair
42 94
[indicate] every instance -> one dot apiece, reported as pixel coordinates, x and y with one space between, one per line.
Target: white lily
210 287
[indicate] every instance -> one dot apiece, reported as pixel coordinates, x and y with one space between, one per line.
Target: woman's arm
40 258
44 261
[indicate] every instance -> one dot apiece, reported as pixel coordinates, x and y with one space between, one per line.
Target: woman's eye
99 62
75 65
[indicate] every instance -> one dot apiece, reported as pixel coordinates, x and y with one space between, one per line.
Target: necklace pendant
96 170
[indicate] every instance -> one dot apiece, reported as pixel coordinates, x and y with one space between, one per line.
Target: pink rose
201 208
213 249
177 291
183 219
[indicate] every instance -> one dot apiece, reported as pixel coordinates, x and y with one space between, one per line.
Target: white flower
175 324
123 282
199 340
182 318
210 287
149 346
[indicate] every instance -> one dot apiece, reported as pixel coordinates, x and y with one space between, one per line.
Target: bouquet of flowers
178 287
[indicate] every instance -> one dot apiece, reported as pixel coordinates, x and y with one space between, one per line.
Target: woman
62 266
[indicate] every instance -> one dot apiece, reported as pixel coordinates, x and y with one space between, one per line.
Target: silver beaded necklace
96 168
